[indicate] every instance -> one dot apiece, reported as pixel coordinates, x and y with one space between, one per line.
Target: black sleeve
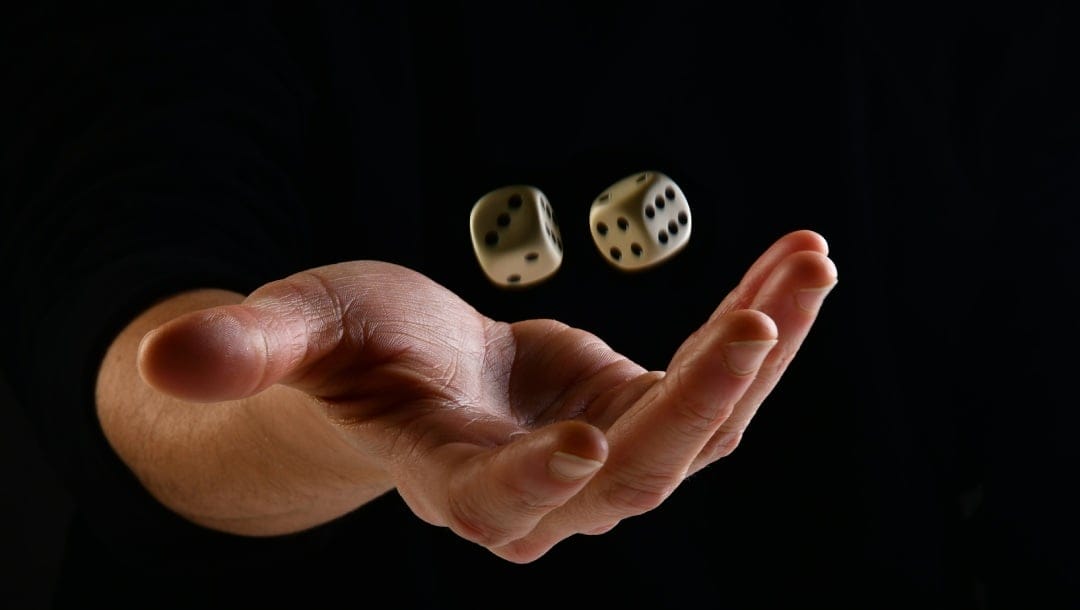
143 155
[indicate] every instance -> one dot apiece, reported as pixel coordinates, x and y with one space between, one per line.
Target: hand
515 436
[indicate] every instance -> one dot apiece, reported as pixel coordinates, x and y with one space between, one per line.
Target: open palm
516 436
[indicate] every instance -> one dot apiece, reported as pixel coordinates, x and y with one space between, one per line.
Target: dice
515 236
640 221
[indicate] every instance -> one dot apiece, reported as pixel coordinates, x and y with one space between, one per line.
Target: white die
640 221
515 236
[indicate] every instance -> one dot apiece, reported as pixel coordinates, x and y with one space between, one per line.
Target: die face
515 236
640 221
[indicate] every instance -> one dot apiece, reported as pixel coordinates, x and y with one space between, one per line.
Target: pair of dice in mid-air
636 223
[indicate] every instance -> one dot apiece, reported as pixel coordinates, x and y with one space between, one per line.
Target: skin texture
317 393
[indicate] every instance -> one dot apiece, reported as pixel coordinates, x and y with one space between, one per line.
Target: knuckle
323 305
699 412
523 550
701 415
472 524
492 520
520 499
601 529
721 446
529 504
637 495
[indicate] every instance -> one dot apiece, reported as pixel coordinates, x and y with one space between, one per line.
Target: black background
920 451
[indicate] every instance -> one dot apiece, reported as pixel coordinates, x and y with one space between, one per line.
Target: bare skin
317 393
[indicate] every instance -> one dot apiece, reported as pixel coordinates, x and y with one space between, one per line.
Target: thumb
235 351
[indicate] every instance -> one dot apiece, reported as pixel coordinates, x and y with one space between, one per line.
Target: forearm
265 465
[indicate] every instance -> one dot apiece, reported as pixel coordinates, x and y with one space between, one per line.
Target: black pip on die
640 221
515 236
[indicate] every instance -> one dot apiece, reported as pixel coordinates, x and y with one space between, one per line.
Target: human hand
515 436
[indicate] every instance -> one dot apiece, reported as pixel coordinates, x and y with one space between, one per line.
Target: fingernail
811 299
572 467
744 357
146 341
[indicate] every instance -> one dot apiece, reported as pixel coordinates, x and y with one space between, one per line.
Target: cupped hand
516 436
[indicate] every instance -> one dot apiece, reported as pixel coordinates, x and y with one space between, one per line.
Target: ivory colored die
640 221
515 236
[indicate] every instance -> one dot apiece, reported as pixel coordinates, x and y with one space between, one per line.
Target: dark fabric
919 452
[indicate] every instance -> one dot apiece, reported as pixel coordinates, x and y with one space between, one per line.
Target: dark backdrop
957 255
